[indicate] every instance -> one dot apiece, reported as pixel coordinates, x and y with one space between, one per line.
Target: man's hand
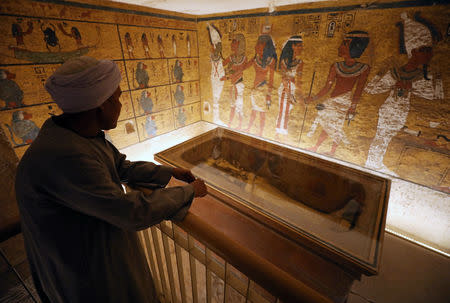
199 188
183 175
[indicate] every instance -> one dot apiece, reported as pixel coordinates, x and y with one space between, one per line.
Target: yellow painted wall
27 60
418 150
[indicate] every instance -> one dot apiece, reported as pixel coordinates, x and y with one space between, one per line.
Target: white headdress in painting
214 34
416 34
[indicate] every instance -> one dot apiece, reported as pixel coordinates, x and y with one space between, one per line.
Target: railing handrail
255 267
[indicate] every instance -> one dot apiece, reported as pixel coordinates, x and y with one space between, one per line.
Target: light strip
418 242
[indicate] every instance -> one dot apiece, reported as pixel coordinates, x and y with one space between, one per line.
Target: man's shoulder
53 145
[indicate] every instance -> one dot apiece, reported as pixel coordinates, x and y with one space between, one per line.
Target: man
79 226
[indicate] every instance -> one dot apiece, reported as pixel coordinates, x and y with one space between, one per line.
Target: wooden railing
199 260
186 270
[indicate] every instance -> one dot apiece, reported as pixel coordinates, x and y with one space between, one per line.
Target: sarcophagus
337 212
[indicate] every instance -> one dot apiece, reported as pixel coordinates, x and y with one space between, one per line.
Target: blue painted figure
23 127
150 126
142 75
178 71
179 95
181 117
10 92
146 102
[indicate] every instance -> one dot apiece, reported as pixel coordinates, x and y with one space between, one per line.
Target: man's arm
85 185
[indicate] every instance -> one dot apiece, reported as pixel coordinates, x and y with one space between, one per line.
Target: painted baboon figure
141 74
10 92
23 127
146 102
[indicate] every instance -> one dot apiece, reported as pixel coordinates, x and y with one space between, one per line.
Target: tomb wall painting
367 86
38 36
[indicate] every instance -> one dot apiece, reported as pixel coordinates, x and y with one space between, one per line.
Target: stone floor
16 284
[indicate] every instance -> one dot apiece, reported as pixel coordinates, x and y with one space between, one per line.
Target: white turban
83 83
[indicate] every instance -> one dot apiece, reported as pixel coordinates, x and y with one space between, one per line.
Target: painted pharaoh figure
341 104
264 63
235 65
403 81
289 92
217 70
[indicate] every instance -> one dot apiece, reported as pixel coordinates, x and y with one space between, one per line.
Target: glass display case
338 211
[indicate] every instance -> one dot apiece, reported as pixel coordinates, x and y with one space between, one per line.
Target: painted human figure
146 102
18 33
235 65
188 45
150 126
403 81
160 46
289 93
129 45
174 45
217 70
145 45
74 33
341 105
10 92
23 127
264 63
141 74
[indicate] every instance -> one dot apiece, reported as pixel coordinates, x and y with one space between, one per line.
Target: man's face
110 111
